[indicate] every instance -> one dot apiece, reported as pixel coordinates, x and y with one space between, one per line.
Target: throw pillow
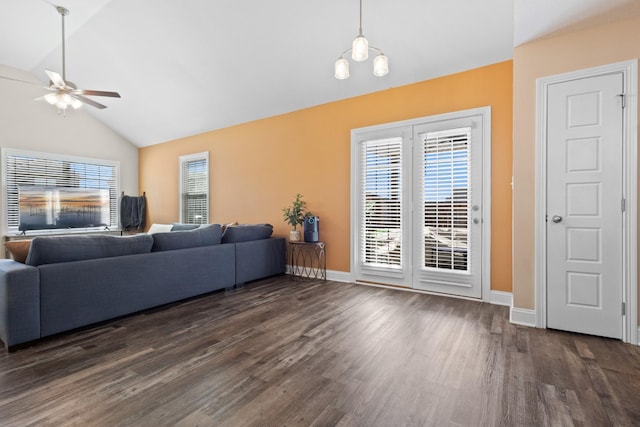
246 232
204 236
159 228
176 226
231 224
19 249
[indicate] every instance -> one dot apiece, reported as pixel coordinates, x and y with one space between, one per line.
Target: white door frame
485 112
629 191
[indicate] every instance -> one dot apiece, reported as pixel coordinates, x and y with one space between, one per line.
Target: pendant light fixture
360 52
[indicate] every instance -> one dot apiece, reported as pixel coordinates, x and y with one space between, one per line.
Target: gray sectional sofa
72 281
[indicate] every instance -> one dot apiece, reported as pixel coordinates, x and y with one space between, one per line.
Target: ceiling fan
63 92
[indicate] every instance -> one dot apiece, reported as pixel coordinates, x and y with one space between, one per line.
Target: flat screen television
45 207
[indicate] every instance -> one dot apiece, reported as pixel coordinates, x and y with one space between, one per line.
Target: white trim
522 316
486 203
630 190
333 275
638 337
339 276
500 298
414 290
182 160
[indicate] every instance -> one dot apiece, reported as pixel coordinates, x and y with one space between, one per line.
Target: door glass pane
446 194
381 207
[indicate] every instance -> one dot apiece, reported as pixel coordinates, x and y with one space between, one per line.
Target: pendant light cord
360 19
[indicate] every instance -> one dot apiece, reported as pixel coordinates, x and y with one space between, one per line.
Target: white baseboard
336 276
500 298
522 316
339 276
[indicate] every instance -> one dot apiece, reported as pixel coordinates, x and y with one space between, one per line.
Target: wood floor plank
282 352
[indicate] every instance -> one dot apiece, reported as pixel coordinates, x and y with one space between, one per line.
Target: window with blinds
381 222
446 189
194 188
25 168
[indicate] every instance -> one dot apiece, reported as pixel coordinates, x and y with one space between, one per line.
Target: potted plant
294 216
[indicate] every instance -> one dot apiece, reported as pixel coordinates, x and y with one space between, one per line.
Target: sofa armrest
257 259
19 303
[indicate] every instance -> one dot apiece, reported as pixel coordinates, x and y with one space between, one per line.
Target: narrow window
194 188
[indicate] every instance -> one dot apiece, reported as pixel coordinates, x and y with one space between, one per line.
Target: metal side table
307 260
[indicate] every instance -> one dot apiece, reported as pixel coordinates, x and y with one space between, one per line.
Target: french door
418 203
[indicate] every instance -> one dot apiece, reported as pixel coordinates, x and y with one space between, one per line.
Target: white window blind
381 222
194 188
45 169
446 166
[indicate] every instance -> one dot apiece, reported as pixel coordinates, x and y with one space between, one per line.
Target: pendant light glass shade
342 69
380 66
360 49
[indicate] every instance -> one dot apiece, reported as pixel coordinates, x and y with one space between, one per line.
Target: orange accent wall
257 168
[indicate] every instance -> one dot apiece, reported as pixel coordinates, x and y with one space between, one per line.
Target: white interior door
584 205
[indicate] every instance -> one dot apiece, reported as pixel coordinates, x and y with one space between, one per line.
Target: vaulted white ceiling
186 67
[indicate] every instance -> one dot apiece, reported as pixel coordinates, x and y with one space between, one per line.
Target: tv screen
44 207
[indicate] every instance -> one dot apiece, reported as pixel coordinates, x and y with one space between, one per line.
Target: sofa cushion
176 226
202 236
55 249
247 232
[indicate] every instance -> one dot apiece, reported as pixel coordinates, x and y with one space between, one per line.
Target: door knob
556 218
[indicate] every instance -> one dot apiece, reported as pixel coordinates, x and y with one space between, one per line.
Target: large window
28 168
194 188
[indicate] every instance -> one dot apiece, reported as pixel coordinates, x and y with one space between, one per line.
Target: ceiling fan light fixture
61 105
51 98
75 103
342 69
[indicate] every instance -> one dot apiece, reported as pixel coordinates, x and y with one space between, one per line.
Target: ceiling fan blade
97 93
55 78
89 101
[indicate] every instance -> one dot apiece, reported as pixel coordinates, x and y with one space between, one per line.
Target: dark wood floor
296 353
